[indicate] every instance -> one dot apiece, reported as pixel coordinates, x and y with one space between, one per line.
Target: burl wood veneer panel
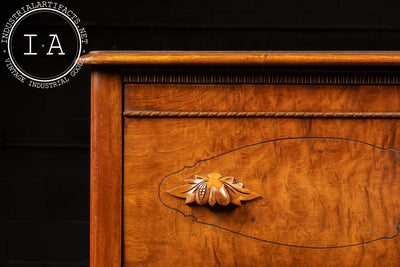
261 97
329 190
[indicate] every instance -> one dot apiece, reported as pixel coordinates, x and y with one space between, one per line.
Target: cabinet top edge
242 58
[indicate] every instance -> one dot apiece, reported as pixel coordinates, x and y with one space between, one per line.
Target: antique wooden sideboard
245 158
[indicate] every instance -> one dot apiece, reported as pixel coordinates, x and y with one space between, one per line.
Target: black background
44 134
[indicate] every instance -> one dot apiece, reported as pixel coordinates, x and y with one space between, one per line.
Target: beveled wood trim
244 58
106 169
359 76
262 114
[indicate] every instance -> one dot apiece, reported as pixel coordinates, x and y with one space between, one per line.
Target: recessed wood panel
328 190
315 192
266 97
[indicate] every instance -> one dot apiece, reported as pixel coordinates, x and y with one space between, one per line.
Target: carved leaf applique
214 188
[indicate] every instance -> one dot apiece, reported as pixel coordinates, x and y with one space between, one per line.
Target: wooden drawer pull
214 188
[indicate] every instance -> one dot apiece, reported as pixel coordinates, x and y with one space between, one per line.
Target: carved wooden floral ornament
214 188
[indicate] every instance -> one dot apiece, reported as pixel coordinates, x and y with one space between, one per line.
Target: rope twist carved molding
265 114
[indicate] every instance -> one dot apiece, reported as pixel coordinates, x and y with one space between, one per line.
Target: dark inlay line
272 242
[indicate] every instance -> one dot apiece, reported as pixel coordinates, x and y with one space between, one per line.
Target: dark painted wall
44 144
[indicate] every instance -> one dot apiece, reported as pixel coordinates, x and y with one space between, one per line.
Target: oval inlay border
268 241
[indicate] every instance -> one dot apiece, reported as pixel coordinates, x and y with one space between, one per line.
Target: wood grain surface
245 58
328 187
265 97
106 169
316 192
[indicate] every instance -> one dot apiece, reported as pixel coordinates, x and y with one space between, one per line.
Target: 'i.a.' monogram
55 44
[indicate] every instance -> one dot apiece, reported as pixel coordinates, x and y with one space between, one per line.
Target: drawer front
318 164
